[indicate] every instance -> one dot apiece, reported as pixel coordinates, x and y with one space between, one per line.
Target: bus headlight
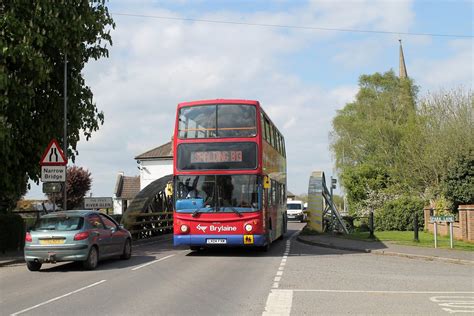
184 229
248 228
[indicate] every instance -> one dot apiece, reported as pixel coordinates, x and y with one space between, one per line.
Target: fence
146 225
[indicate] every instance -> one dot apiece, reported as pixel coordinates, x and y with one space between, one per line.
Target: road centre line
151 262
57 298
384 292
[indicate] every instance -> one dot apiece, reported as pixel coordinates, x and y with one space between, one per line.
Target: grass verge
406 238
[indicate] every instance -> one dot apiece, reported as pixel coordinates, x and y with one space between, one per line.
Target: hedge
12 232
399 214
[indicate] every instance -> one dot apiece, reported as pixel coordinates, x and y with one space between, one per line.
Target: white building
153 164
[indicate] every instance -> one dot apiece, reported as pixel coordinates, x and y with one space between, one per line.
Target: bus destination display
216 156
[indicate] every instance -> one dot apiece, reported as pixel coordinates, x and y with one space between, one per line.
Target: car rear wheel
127 250
33 265
92 259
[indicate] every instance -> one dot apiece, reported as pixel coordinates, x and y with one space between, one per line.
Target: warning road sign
53 155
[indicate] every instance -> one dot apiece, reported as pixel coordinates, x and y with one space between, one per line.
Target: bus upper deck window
236 120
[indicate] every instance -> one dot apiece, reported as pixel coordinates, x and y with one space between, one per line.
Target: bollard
415 228
371 225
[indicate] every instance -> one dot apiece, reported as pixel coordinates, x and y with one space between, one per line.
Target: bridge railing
146 225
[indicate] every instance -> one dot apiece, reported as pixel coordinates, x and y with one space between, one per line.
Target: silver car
86 236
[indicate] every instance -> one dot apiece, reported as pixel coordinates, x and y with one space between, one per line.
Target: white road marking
57 298
275 285
151 262
455 304
382 292
279 273
278 303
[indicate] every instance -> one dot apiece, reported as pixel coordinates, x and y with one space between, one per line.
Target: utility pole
65 131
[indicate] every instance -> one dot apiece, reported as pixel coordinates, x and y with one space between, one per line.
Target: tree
78 183
367 135
458 183
441 136
36 36
370 129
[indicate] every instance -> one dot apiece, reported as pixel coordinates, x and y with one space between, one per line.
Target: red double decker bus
229 175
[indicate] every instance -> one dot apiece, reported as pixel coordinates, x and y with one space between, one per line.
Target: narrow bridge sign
53 155
53 173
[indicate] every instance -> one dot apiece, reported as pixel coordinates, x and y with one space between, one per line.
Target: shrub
399 214
12 232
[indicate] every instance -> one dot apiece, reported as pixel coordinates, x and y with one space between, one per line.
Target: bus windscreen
216 193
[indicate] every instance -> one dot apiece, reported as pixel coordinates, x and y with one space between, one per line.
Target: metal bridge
323 214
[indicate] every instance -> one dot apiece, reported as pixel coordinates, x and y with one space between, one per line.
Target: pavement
389 249
329 241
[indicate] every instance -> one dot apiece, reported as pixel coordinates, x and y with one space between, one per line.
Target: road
292 278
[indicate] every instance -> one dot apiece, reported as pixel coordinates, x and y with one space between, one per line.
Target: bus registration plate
216 241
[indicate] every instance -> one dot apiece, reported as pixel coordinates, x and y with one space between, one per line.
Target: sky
164 52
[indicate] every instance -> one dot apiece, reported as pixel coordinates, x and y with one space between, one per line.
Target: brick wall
466 218
462 229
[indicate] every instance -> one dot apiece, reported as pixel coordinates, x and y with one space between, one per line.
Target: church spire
402 70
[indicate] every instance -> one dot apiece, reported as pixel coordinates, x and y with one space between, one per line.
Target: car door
117 238
102 236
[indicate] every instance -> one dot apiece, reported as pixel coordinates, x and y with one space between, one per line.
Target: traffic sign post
443 219
53 170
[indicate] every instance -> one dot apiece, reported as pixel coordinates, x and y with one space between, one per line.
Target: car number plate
216 241
51 241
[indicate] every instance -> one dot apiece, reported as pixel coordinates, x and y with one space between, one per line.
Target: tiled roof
161 152
127 187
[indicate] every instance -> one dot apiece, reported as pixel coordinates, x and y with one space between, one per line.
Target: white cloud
454 70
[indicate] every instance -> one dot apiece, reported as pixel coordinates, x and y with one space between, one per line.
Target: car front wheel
33 265
92 259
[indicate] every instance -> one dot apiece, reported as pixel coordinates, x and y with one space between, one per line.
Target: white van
295 210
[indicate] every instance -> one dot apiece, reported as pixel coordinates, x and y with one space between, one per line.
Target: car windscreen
293 206
65 223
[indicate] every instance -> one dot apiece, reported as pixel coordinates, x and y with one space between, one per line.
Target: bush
12 232
399 214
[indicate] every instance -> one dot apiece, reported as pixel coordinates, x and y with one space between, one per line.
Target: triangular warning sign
53 155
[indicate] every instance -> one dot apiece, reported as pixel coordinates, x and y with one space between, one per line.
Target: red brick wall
466 218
